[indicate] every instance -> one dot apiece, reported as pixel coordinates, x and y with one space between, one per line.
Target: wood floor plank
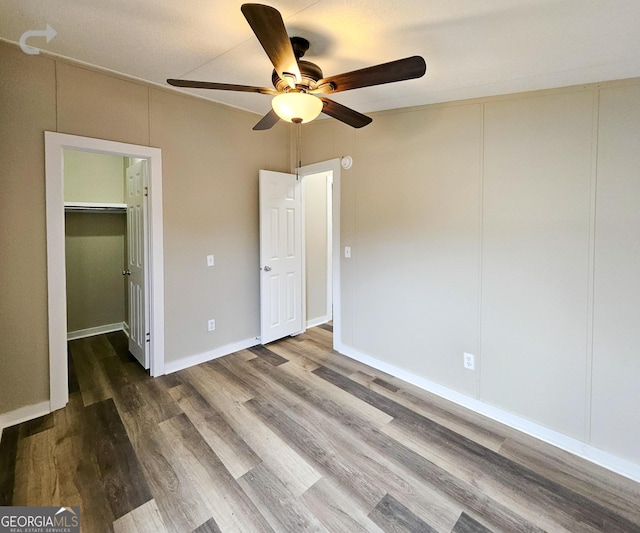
296 473
335 507
36 477
301 377
121 474
230 447
144 519
460 424
209 526
119 341
280 507
455 422
172 380
315 352
386 385
8 454
391 515
94 386
182 391
320 452
120 371
74 386
451 417
76 466
175 477
153 395
269 356
466 524
231 509
614 491
101 347
31 427
252 374
181 506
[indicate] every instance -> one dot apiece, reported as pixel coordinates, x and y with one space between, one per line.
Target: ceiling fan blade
266 22
399 70
220 86
344 114
267 122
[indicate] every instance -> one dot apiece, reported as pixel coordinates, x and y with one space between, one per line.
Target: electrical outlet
211 325
469 361
210 260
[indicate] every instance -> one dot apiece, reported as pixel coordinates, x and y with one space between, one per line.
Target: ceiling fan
297 82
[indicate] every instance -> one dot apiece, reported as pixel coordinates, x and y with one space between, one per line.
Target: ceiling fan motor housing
309 72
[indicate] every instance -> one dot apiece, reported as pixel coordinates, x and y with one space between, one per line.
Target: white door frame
55 144
333 166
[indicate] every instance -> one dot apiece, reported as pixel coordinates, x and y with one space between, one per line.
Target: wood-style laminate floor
291 438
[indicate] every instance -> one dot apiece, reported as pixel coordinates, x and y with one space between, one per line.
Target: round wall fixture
346 162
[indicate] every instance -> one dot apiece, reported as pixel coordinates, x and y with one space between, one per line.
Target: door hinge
148 337
146 191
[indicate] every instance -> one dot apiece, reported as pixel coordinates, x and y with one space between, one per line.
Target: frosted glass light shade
291 106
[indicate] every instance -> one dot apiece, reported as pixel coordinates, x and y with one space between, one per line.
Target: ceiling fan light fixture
297 107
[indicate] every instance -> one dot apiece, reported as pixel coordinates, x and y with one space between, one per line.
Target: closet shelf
94 207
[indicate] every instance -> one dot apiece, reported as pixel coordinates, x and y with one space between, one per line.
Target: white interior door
281 308
136 260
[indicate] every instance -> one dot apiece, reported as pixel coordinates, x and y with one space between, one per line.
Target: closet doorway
106 248
104 265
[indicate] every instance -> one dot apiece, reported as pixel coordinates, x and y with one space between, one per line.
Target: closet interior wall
95 243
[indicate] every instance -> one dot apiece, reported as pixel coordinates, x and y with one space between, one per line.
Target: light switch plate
347 252
210 260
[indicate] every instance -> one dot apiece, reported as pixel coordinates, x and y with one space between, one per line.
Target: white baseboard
22 414
576 447
98 330
125 328
318 321
192 360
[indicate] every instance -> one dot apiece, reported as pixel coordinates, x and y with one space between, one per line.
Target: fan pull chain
298 147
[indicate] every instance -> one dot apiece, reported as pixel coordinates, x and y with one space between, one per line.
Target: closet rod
78 207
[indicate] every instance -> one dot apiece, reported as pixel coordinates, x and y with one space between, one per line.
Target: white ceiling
472 47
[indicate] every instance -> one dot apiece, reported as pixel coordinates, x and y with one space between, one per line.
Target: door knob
126 272
267 268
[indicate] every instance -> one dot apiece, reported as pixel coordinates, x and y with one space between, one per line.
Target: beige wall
94 248
473 228
92 177
27 108
94 242
535 261
211 159
316 246
615 394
